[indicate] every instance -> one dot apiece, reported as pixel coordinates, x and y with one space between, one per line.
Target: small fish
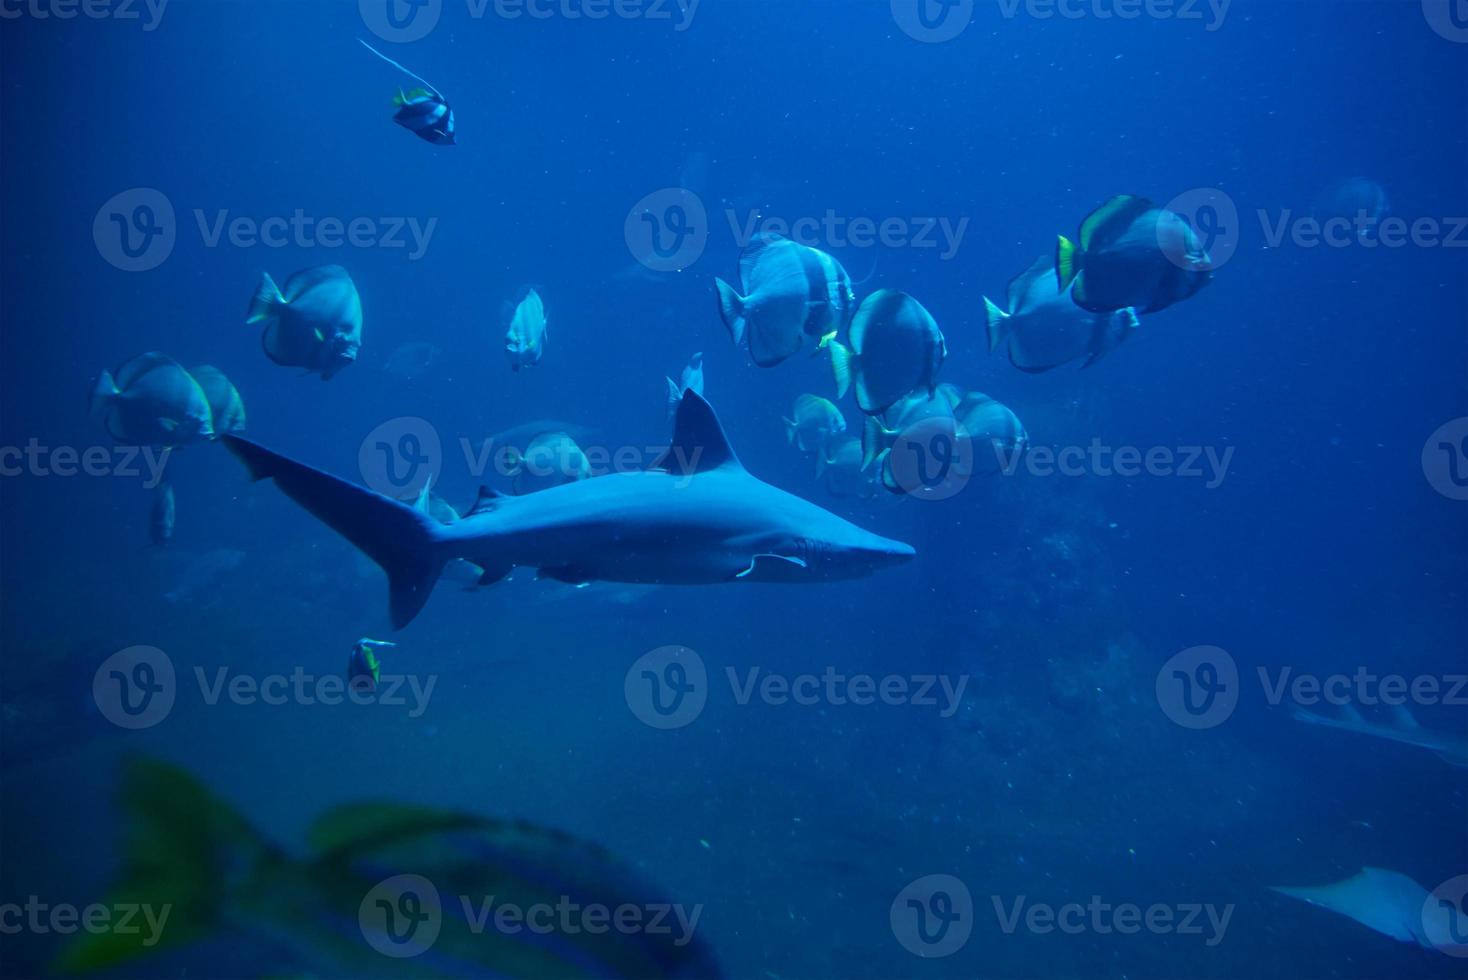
792 291
226 406
896 349
525 335
841 470
412 360
369 882
316 323
1132 254
690 380
1358 200
551 460
815 424
160 522
422 111
1044 328
881 433
364 670
996 433
152 401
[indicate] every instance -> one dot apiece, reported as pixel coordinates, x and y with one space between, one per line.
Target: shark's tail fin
184 848
406 543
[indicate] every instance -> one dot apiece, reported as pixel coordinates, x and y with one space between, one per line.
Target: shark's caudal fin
182 844
403 541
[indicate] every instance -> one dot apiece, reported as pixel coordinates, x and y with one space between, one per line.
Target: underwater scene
773 489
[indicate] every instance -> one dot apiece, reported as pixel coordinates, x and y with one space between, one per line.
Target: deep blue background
1323 369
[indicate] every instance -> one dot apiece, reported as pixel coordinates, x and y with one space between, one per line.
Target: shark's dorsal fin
488 499
699 443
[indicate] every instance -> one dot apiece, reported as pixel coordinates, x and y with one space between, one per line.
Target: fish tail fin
731 309
876 439
102 394
266 301
181 845
1067 262
410 546
997 324
841 367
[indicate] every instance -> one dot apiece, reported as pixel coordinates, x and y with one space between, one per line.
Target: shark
1451 747
695 517
1394 905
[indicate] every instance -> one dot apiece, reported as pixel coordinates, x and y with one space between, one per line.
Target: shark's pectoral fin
487 501
754 562
568 574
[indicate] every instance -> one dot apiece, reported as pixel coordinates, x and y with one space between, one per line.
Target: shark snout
884 552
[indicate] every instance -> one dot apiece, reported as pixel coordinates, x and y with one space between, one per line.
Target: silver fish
815 422
1044 328
896 349
552 459
525 335
841 471
152 401
996 433
792 291
225 404
315 323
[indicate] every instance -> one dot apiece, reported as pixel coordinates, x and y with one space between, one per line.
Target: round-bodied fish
814 424
896 350
152 401
552 459
842 473
412 360
1359 202
995 432
1131 253
525 331
1044 328
225 404
933 411
791 291
314 323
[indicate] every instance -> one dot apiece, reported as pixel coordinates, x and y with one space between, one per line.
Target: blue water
1323 549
